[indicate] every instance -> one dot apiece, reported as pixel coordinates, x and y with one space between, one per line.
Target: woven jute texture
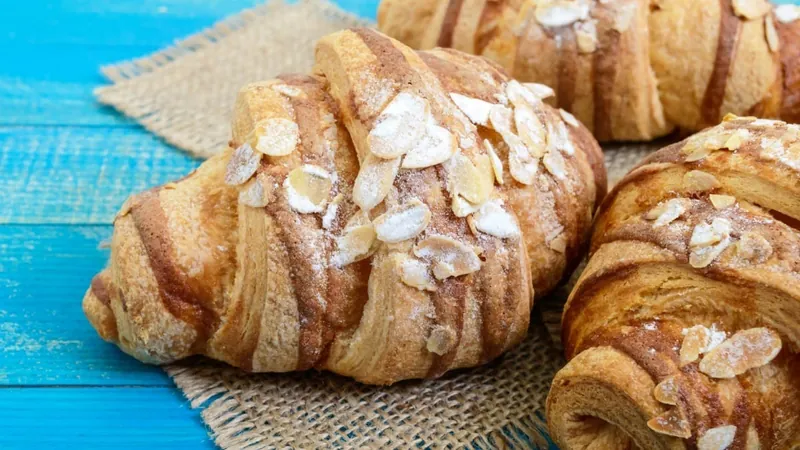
185 95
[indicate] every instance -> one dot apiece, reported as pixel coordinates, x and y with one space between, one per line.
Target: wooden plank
44 337
118 418
79 175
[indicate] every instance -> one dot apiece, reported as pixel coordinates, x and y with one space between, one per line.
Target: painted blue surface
66 165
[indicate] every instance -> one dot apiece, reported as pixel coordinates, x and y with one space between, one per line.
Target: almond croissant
684 329
628 69
385 218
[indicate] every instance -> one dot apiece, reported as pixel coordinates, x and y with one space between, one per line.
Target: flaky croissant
628 69
684 329
386 218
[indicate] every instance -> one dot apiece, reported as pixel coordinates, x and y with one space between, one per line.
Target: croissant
628 69
385 218
684 329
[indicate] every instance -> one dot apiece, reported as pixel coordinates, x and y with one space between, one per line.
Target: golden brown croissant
684 329
628 69
385 218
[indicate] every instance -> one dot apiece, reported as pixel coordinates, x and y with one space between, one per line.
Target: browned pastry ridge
628 69
684 329
385 218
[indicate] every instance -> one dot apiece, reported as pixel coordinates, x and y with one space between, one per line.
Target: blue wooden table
66 165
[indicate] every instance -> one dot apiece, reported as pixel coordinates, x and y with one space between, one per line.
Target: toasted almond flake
521 164
560 13
242 165
374 180
441 340
736 139
436 146
695 340
308 188
399 126
519 95
667 212
699 181
569 118
559 243
771 34
671 423
787 13
722 201
558 138
494 220
416 273
450 258
730 117
463 208
666 391
356 242
695 151
289 91
754 248
719 438
257 192
753 443
554 163
705 234
475 109
473 181
531 130
330 214
276 137
500 119
497 165
704 256
541 91
403 221
586 36
751 9
745 350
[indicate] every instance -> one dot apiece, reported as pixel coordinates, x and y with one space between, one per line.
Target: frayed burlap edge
155 92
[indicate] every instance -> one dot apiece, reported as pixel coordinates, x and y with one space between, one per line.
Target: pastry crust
628 69
692 252
365 220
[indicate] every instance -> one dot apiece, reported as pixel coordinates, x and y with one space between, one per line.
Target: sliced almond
745 350
475 109
555 164
374 180
787 13
699 181
695 340
473 181
441 340
531 130
559 243
722 201
753 443
569 118
541 91
751 9
436 146
586 36
521 164
403 221
494 220
356 242
416 273
703 257
463 208
500 119
667 212
558 138
519 95
276 137
308 188
560 13
771 34
705 234
450 258
719 438
667 391
330 214
754 248
497 165
671 423
289 91
736 139
242 165
696 150
399 126
257 193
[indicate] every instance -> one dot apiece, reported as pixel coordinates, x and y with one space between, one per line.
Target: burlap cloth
185 95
